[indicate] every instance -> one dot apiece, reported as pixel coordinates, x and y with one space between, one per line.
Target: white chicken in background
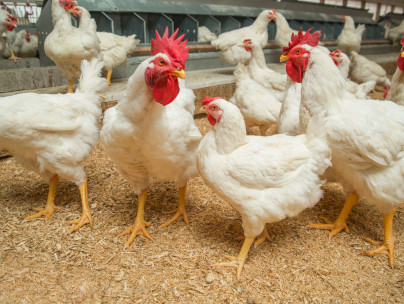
25 44
151 131
363 70
67 45
205 35
283 30
359 91
368 156
114 48
394 34
230 43
258 105
266 179
261 73
7 23
350 37
396 92
52 134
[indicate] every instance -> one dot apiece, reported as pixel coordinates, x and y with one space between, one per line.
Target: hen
230 43
25 45
7 23
359 91
368 156
151 131
258 105
266 179
394 34
350 37
53 134
396 92
283 30
114 48
363 70
67 45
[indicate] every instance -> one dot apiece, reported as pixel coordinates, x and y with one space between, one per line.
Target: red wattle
166 90
211 120
400 63
295 73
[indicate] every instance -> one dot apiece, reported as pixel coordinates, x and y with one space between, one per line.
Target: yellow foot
180 212
262 238
234 262
385 247
14 58
335 227
138 228
47 212
85 218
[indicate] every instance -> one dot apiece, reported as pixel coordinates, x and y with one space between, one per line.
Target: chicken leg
50 205
12 56
139 227
180 211
108 77
241 257
262 237
340 223
86 214
70 89
387 246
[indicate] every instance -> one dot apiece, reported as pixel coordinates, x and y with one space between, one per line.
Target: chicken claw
180 211
340 222
50 205
139 226
241 257
387 246
86 214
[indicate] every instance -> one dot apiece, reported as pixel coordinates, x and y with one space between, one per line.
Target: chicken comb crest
300 39
335 52
13 19
174 47
207 100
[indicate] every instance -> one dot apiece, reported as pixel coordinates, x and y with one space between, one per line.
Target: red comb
13 19
335 52
300 39
207 100
171 46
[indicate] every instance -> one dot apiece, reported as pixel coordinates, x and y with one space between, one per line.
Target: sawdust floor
41 263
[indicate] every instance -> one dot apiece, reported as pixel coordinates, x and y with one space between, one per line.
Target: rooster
151 131
52 135
359 91
229 43
396 92
7 23
368 156
266 179
67 45
114 48
350 37
363 70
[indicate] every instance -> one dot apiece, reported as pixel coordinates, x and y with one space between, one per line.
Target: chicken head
336 57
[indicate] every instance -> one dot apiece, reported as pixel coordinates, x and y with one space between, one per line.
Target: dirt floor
41 263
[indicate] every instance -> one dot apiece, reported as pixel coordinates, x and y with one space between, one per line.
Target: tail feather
360 29
90 80
131 43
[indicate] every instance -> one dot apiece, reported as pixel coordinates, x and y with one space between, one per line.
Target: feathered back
90 79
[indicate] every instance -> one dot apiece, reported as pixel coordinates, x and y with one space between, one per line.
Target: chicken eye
285 54
213 108
161 62
298 51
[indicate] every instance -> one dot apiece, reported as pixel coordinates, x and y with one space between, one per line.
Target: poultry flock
322 120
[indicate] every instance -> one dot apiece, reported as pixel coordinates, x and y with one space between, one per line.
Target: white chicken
114 48
359 91
394 34
258 105
25 45
266 179
205 35
283 30
151 131
350 37
363 70
7 23
52 134
67 45
368 156
229 43
289 121
396 92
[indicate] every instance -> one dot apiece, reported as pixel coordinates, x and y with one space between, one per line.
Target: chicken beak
284 58
203 110
402 54
178 73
